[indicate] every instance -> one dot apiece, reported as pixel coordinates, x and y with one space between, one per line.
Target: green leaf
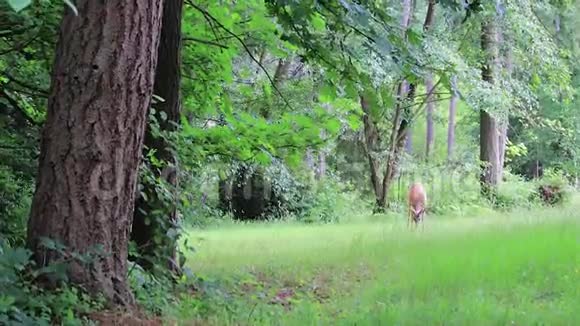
318 22
354 122
263 158
327 93
332 126
18 5
413 37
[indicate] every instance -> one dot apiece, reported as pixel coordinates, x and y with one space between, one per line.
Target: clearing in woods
520 268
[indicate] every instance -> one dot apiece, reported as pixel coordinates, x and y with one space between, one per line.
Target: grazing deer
417 201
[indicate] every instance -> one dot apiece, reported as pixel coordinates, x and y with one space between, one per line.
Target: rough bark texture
488 129
161 214
91 143
451 126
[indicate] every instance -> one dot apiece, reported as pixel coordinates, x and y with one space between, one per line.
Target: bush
15 197
514 191
553 188
23 303
331 200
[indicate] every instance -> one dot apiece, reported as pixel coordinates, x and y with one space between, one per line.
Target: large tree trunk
154 214
91 144
489 140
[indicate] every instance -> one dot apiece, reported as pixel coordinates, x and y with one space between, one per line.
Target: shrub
553 187
15 198
331 200
23 303
513 192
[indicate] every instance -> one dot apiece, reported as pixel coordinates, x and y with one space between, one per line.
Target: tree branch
208 42
248 51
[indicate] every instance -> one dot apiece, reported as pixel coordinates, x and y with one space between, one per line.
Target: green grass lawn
512 269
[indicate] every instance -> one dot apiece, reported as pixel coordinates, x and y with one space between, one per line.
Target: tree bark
372 141
409 141
101 87
155 215
503 125
488 130
451 126
408 6
401 123
430 141
282 71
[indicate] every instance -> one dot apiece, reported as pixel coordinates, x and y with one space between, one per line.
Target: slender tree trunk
155 215
409 141
102 83
502 141
282 71
407 15
372 141
400 131
321 170
489 144
430 141
451 126
504 125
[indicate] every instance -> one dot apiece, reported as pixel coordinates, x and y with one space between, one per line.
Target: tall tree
503 126
451 121
488 127
406 88
430 135
155 213
102 82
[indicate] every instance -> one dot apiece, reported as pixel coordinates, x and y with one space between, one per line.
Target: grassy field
512 269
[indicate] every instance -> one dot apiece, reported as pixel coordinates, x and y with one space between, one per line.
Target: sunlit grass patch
522 267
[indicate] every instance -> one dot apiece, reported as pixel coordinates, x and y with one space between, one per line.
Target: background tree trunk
372 141
489 140
160 212
102 83
504 125
430 141
451 126
408 6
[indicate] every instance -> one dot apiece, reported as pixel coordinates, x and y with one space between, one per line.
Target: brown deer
417 201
